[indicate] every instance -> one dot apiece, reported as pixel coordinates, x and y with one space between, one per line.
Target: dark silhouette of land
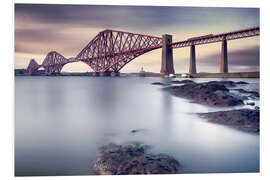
22 72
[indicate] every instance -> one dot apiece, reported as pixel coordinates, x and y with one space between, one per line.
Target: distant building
142 71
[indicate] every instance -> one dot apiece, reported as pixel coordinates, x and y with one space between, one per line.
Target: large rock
133 159
244 119
158 83
213 93
252 93
181 82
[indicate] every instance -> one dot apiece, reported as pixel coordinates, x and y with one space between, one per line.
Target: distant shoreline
21 72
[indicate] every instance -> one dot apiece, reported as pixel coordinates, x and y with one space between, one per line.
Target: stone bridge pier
167 66
224 57
223 62
167 55
192 60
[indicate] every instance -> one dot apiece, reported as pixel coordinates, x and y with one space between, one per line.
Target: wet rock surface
133 131
159 83
214 93
244 119
181 82
133 159
251 93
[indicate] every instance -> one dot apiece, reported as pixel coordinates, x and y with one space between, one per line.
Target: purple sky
68 28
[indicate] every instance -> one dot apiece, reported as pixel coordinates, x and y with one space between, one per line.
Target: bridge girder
32 67
111 50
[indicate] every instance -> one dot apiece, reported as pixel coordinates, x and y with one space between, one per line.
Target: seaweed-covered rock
213 93
181 82
158 83
252 93
241 82
149 164
244 119
133 159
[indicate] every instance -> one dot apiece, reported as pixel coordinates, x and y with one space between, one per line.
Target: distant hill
21 72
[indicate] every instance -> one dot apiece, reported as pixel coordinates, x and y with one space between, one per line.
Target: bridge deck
218 37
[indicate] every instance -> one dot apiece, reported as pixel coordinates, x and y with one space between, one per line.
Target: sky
67 29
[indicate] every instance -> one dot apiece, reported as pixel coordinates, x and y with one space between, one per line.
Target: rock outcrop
214 93
132 159
244 119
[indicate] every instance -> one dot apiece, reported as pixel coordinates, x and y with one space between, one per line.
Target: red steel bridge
111 50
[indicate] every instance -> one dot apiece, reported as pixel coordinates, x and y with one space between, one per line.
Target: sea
62 121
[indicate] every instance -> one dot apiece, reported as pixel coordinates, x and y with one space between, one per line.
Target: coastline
221 94
21 72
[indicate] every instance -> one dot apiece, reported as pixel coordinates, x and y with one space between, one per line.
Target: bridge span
111 50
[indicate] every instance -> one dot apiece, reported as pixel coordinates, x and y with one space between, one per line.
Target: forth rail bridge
110 50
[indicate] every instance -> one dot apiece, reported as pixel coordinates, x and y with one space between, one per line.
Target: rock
158 83
225 83
213 93
241 82
181 82
133 159
251 103
253 93
149 164
244 119
135 130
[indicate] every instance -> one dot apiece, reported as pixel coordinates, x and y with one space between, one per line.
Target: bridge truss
219 37
111 50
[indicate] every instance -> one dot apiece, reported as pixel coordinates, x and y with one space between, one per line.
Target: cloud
132 17
243 57
40 28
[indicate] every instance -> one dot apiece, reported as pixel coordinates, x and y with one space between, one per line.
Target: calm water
61 121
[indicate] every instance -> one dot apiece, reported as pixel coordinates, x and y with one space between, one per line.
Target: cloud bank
40 28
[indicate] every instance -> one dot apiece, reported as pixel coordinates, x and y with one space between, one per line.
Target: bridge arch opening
181 60
76 67
150 62
244 55
208 57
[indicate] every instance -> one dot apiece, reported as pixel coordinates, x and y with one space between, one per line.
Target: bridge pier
115 74
107 73
192 60
167 55
224 57
95 73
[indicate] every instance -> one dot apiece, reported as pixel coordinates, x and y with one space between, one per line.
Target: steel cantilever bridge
111 50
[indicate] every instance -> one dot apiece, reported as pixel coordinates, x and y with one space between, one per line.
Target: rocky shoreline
213 93
247 120
221 94
133 158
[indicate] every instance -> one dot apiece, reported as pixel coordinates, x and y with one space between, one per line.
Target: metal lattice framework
217 38
32 67
111 50
54 62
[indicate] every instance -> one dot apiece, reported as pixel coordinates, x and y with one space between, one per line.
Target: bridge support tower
106 73
192 60
95 73
167 55
224 57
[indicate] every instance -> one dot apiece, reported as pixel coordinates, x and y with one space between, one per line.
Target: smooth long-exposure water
60 122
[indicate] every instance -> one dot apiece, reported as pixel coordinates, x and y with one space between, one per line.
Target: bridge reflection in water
110 50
